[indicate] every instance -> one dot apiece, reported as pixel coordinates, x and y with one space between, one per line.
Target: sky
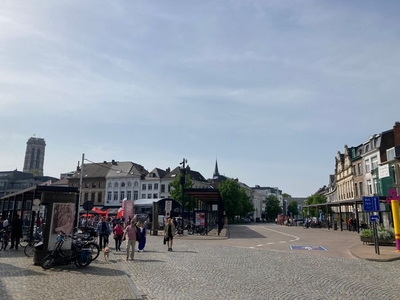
271 89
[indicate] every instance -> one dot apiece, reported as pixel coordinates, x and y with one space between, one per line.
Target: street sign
168 205
371 203
88 205
374 218
168 208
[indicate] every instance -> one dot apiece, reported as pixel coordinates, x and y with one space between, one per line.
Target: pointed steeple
216 173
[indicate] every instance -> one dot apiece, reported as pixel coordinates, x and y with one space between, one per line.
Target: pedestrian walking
118 233
169 232
131 234
103 231
16 232
142 241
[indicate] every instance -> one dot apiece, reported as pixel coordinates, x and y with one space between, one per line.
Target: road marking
309 248
296 238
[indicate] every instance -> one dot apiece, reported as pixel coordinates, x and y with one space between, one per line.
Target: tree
313 199
176 189
246 204
236 201
293 209
272 207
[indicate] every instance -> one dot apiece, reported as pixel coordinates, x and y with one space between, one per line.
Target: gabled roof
93 170
110 169
194 175
121 169
124 168
156 173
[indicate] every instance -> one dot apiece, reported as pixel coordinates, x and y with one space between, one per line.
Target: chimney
396 133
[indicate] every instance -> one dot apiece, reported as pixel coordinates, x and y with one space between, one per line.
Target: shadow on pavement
7 270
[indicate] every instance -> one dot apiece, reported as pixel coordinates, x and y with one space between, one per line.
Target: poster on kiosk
129 209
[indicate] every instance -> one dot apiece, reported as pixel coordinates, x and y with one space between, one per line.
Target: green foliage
383 233
236 201
314 199
293 208
272 207
367 233
246 203
176 189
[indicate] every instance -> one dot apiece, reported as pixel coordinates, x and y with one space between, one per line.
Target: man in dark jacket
103 231
16 232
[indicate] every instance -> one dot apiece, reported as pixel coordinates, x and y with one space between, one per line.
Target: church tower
216 172
34 156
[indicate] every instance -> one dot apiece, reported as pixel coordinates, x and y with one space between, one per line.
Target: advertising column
128 208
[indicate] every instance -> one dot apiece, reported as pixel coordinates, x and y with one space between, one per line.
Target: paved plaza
211 268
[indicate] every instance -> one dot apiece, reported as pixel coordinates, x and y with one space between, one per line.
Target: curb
376 259
128 279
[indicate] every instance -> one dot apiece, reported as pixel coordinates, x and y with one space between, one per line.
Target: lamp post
183 181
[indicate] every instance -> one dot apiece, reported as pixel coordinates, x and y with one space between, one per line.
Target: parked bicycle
196 229
89 236
6 234
30 243
78 255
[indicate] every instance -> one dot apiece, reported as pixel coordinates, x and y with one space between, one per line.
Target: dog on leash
106 252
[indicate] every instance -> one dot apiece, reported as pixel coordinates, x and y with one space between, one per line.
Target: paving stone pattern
202 270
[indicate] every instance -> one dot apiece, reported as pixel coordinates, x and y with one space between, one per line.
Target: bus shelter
206 205
340 212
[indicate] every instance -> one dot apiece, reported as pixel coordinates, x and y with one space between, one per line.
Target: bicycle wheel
24 242
48 261
29 249
82 261
95 250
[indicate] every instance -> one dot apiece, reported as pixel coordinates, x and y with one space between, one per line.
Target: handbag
165 240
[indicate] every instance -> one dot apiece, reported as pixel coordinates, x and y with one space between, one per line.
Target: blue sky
273 89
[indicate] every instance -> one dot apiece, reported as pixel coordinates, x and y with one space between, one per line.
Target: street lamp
183 181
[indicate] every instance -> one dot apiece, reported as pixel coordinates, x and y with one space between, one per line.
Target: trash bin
334 225
39 253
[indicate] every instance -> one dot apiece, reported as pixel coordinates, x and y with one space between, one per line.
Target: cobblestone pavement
204 269
199 270
21 279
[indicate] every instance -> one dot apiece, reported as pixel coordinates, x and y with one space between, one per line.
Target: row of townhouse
368 169
108 183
